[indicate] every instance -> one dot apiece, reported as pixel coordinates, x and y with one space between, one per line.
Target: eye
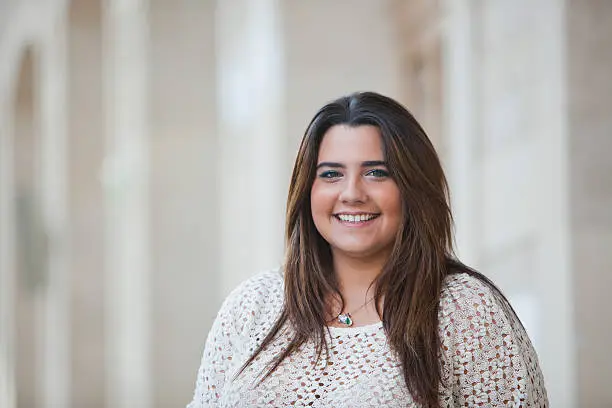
378 173
330 174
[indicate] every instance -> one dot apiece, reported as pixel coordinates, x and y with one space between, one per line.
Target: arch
29 244
31 338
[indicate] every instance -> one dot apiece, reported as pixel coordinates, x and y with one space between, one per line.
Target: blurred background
146 147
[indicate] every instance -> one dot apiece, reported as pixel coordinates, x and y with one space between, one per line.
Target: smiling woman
370 307
356 205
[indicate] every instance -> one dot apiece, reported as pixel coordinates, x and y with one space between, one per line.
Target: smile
356 218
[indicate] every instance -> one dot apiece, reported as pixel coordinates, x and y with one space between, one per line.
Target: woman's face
355 204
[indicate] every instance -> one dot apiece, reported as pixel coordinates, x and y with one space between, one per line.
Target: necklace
346 319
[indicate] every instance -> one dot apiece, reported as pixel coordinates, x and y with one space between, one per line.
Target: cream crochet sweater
486 357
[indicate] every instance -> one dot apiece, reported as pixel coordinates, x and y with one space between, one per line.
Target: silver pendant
345 318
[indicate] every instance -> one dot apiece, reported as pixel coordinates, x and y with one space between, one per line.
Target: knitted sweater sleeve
250 307
216 358
488 358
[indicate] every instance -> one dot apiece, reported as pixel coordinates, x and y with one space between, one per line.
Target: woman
370 308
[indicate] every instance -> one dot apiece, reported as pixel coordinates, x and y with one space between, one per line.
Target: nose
353 191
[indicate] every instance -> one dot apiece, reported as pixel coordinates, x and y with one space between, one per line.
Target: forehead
345 144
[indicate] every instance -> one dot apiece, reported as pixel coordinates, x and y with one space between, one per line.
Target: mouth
356 219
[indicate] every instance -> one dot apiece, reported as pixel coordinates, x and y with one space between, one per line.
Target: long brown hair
411 280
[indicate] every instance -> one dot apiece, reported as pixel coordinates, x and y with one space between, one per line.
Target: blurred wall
526 89
184 180
170 142
85 153
155 141
589 104
508 164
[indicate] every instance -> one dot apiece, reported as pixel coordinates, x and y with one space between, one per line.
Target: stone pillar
19 347
508 145
274 72
419 32
8 386
251 85
184 189
126 177
329 53
84 157
30 278
589 102
459 126
53 146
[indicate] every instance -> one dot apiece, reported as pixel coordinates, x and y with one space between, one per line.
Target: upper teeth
356 218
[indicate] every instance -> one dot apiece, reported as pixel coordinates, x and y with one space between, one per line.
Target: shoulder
257 300
474 315
261 284
483 342
474 307
468 294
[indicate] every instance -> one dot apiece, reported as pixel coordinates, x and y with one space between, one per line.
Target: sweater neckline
368 328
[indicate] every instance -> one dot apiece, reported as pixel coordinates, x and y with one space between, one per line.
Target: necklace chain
346 319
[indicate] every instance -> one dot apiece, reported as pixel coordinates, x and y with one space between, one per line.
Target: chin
357 251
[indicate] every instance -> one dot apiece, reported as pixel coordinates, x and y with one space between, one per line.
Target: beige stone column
589 103
32 30
7 263
22 269
86 150
251 84
547 103
507 135
459 128
184 180
30 277
333 48
55 311
11 53
126 180
278 62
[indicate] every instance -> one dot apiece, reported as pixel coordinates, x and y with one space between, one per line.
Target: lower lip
356 224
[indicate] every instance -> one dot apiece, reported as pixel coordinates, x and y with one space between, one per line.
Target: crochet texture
487 358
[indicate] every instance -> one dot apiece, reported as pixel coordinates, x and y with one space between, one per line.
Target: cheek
321 200
397 206
390 202
319 209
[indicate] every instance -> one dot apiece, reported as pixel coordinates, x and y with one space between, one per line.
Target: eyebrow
370 163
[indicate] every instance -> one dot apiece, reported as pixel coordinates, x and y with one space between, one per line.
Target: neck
355 275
